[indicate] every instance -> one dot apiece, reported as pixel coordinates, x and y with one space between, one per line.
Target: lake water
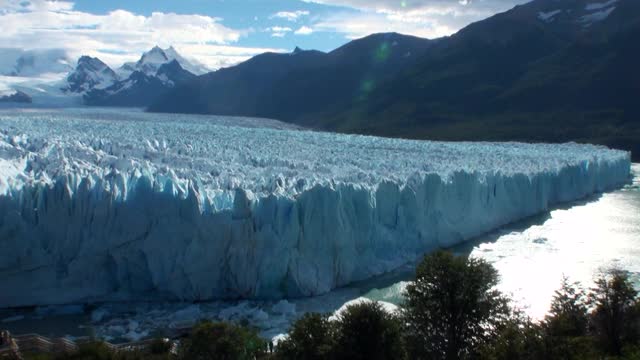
578 240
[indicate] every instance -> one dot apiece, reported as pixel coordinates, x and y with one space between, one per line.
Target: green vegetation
221 341
367 331
312 337
452 308
566 327
362 331
452 311
615 317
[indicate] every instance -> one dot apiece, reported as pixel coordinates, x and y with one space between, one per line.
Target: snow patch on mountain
191 65
597 16
599 6
548 16
151 61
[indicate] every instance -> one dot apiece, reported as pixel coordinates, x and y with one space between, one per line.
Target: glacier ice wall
115 205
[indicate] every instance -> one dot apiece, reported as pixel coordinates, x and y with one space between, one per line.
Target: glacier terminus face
110 205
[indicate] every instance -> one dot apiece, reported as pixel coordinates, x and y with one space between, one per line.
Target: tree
221 341
568 315
614 316
160 346
566 325
453 307
367 331
312 337
517 338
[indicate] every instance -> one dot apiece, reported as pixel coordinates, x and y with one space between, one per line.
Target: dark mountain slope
516 76
287 86
240 89
17 97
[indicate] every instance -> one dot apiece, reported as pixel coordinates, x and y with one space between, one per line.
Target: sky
221 33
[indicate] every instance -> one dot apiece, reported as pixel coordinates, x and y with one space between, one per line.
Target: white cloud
290 15
355 26
425 18
411 5
279 31
115 37
34 5
219 56
304 30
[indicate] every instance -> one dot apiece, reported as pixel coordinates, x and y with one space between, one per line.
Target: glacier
118 205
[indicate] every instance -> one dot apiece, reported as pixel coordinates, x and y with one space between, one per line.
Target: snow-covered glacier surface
102 205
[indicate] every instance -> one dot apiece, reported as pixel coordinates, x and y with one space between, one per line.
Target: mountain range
134 84
547 70
298 84
50 78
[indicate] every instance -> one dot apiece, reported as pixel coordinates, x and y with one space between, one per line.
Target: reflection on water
578 240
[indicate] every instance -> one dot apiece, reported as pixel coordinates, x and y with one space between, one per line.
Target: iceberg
114 205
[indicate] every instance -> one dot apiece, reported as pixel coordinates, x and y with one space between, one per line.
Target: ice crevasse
132 206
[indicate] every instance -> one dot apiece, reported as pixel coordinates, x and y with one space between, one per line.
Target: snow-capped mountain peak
90 73
91 64
192 66
172 53
154 73
152 60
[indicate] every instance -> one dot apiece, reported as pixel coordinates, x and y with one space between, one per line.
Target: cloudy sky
223 32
